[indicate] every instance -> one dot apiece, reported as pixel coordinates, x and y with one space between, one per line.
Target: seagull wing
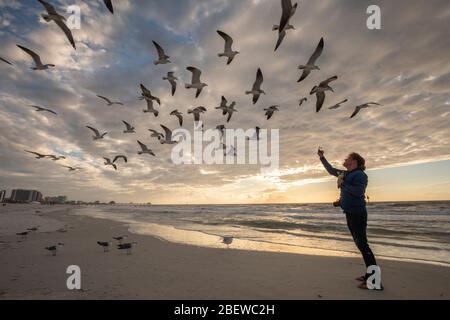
286 7
326 82
104 98
168 133
320 99
66 30
228 40
281 36
305 73
94 130
34 55
48 7
317 52
259 80
174 85
357 109
109 5
143 146
161 53
120 157
127 125
145 91
4 60
195 74
51 111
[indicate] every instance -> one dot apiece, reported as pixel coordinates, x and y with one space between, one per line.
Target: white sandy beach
162 270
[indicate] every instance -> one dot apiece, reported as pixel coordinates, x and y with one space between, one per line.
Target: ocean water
413 231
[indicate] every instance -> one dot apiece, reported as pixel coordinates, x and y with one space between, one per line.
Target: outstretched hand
320 152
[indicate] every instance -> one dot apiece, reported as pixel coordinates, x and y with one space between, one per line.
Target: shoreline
159 269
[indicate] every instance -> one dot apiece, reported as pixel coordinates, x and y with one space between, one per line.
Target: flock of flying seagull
288 11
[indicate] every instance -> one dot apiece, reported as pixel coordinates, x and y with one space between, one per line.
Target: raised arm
329 168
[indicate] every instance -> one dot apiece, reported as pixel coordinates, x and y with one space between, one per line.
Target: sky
404 66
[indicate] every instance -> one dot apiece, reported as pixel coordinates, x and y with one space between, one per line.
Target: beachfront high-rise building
20 195
2 195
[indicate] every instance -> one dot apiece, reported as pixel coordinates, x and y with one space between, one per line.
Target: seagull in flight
130 129
302 100
40 109
337 105
196 83
196 112
162 57
227 109
38 155
55 158
310 65
156 134
270 111
147 95
288 10
144 149
4 60
58 19
37 60
227 52
109 163
109 102
172 79
167 137
120 157
109 5
97 134
363 106
179 115
72 168
150 108
256 135
256 90
320 91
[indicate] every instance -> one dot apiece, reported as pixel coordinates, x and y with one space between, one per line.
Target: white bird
288 10
195 82
363 106
162 57
227 51
256 90
120 157
270 111
320 91
172 79
109 102
129 128
58 19
144 149
227 240
37 59
302 100
127 246
196 112
310 65
105 245
40 109
38 155
179 115
54 248
337 105
4 60
156 134
167 137
97 134
227 109
109 5
109 163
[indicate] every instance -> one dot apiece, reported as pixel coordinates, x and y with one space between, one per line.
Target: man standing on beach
352 183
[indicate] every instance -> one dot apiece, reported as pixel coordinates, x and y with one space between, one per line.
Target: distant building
20 195
2 195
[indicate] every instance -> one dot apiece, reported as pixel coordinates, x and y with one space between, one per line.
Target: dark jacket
353 188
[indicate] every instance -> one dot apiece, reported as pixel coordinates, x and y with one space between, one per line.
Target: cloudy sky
404 66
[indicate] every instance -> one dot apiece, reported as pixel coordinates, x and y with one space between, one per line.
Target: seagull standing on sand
4 60
40 109
120 238
227 109
270 110
227 240
167 137
337 105
97 134
144 149
38 155
34 229
256 90
105 245
320 91
172 79
363 106
58 19
109 102
302 100
288 10
127 246
310 65
109 5
227 52
196 112
38 65
162 57
54 248
195 82
23 235
129 127
109 163
179 115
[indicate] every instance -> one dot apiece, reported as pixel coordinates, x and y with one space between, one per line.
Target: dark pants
357 224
